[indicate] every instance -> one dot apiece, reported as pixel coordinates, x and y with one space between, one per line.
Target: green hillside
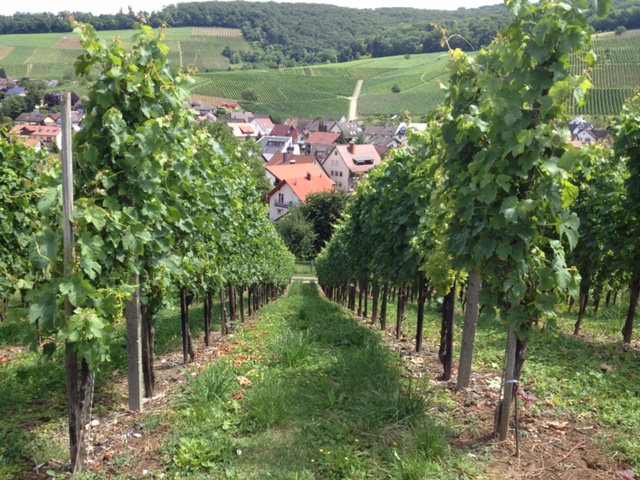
50 56
314 91
317 90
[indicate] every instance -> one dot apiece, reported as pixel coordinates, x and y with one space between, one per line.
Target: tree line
281 36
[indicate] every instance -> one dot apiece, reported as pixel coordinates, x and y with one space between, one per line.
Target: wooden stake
134 349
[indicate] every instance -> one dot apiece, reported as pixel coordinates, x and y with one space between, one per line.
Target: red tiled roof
279 130
295 170
47 131
359 158
279 159
303 186
323 138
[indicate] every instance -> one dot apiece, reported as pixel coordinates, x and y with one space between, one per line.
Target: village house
207 117
319 143
349 131
48 135
7 83
243 131
348 164
592 136
272 145
16 91
56 118
203 108
294 191
31 118
263 124
284 130
240 117
277 173
386 136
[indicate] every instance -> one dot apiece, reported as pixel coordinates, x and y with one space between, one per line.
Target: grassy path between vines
308 392
304 391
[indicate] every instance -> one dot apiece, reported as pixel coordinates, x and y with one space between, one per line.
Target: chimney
351 148
285 155
309 176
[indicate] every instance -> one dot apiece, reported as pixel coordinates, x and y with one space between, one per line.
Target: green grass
305 269
33 408
327 401
51 56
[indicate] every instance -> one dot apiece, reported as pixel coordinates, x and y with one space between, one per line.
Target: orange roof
23 130
323 138
302 187
295 170
47 131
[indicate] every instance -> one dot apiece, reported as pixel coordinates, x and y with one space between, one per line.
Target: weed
210 386
291 348
203 453
429 441
268 404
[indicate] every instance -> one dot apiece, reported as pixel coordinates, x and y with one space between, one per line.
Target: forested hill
289 34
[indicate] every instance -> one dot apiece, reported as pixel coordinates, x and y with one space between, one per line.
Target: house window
281 198
339 184
340 173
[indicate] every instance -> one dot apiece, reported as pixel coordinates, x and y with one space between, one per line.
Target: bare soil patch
552 447
7 354
72 43
130 443
5 51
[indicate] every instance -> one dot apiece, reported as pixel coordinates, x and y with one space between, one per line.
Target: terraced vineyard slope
617 74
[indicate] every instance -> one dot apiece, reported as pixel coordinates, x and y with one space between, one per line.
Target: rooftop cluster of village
308 156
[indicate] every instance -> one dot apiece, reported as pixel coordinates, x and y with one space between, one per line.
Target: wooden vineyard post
469 330
134 349
77 391
504 408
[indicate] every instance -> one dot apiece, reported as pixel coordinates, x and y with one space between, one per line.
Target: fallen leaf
557 425
626 474
607 368
244 381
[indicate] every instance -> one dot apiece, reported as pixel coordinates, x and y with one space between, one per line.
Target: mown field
314 91
50 56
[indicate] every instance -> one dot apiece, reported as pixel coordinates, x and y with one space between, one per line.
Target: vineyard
489 206
146 223
616 75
